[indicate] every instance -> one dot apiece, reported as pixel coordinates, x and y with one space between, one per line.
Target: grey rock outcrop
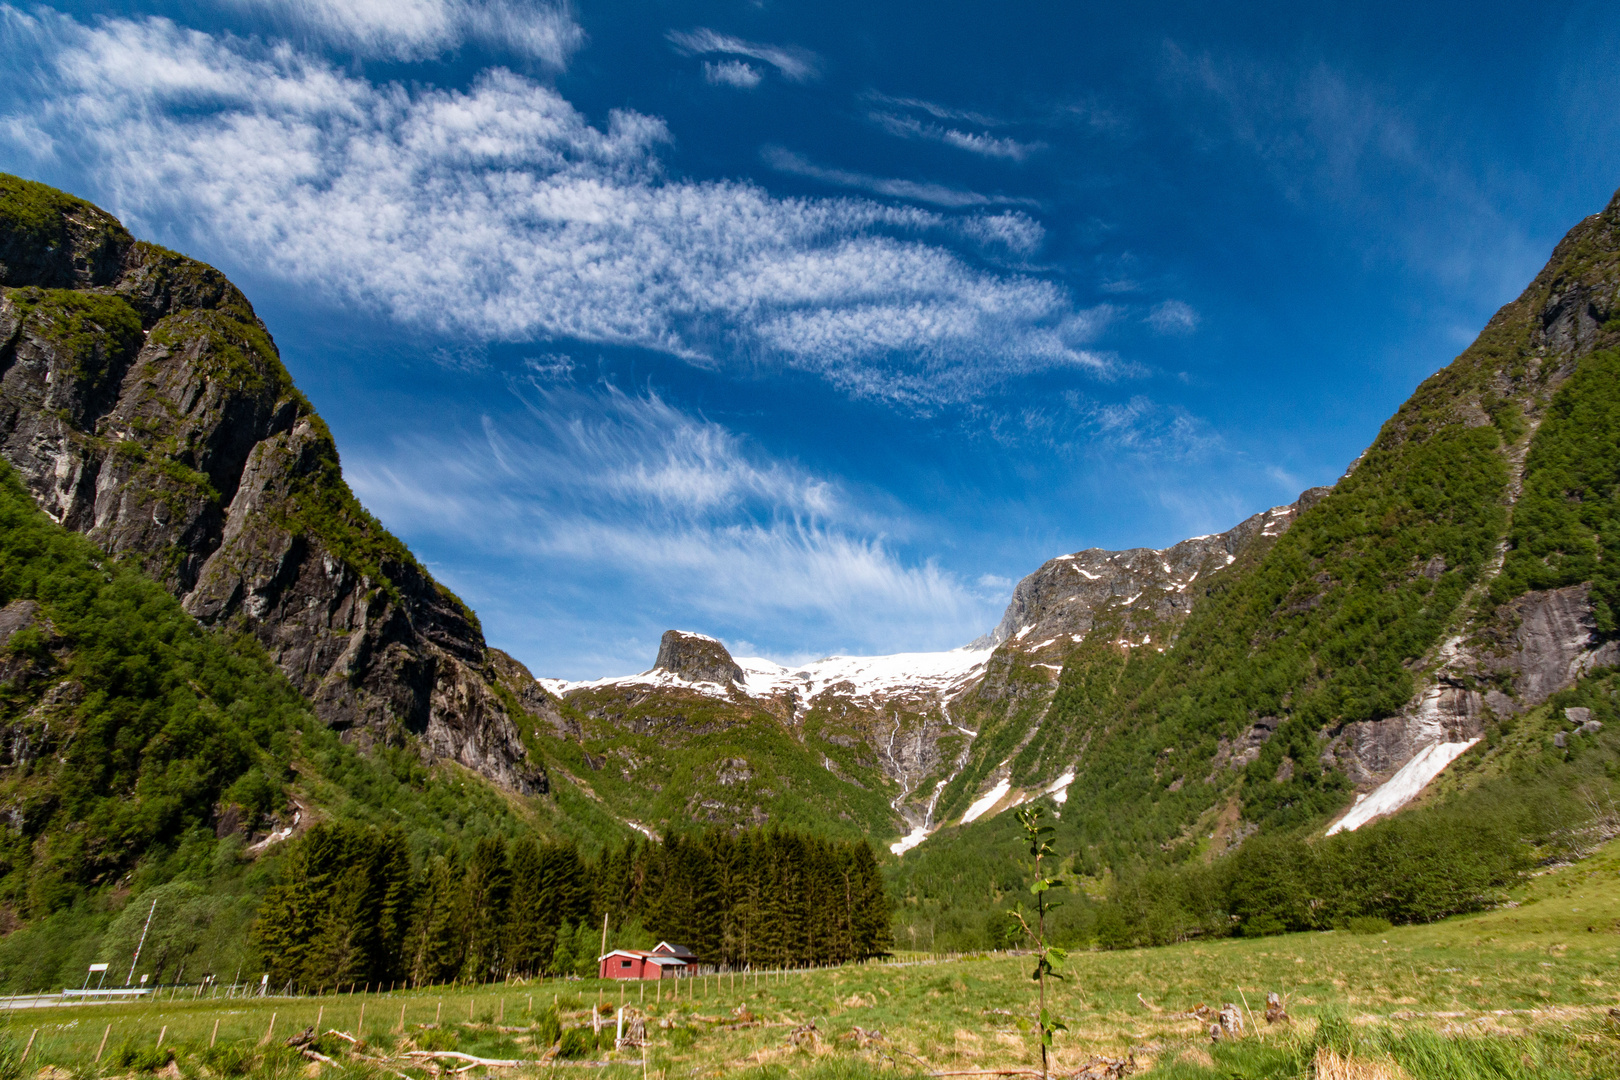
696 658
1062 600
1554 641
144 405
1546 640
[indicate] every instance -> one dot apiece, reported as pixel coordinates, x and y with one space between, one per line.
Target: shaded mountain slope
144 405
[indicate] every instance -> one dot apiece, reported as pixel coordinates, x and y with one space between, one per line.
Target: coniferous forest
351 908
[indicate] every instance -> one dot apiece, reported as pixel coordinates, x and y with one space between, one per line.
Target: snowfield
1403 787
924 673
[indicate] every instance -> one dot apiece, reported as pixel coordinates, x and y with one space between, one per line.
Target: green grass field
1519 991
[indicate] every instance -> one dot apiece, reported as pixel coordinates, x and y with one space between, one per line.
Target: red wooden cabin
666 961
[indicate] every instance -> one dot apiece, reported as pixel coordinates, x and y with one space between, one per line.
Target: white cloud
1016 232
1173 317
1074 425
937 111
415 29
918 191
736 73
794 63
498 212
985 145
644 500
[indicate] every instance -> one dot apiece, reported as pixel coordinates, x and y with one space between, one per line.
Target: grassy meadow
1524 990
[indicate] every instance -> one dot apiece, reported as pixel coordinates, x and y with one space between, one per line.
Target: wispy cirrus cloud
737 73
499 213
983 144
914 118
415 29
1017 232
1323 134
649 502
787 161
794 64
1173 317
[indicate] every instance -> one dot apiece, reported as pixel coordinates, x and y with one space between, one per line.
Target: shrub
577 1043
228 1059
142 1058
547 1028
439 1038
1369 924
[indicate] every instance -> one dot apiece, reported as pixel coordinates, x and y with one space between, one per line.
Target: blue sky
815 326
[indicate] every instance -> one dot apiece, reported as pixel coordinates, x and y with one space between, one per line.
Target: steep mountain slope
144 405
1179 700
1453 578
144 755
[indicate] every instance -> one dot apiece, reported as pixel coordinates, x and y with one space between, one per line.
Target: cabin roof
675 950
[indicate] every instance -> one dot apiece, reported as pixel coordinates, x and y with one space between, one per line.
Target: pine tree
487 893
526 929
339 913
437 931
562 957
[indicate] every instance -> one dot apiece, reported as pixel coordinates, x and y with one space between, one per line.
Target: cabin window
626 963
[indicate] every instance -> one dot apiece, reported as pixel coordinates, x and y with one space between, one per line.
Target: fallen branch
1148 1005
1112 1068
492 1063
315 1055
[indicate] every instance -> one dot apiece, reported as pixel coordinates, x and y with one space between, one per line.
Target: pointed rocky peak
696 658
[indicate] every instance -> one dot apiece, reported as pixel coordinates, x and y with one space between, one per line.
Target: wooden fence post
103 1045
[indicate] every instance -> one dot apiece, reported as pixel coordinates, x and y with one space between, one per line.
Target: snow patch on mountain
987 800
1403 787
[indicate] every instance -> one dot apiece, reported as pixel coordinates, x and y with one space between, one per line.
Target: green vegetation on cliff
1566 526
143 750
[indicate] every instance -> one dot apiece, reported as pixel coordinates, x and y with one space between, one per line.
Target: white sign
97 967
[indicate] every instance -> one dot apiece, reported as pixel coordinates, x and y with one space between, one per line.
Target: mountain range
1271 677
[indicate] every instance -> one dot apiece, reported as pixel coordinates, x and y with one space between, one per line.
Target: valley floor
1520 991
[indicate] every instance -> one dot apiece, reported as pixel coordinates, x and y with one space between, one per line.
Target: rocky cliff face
1064 597
144 404
696 658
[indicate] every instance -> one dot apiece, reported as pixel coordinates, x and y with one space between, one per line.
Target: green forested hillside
1566 526
1516 801
1497 477
144 753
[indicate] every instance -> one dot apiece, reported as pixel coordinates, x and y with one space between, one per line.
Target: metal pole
142 944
